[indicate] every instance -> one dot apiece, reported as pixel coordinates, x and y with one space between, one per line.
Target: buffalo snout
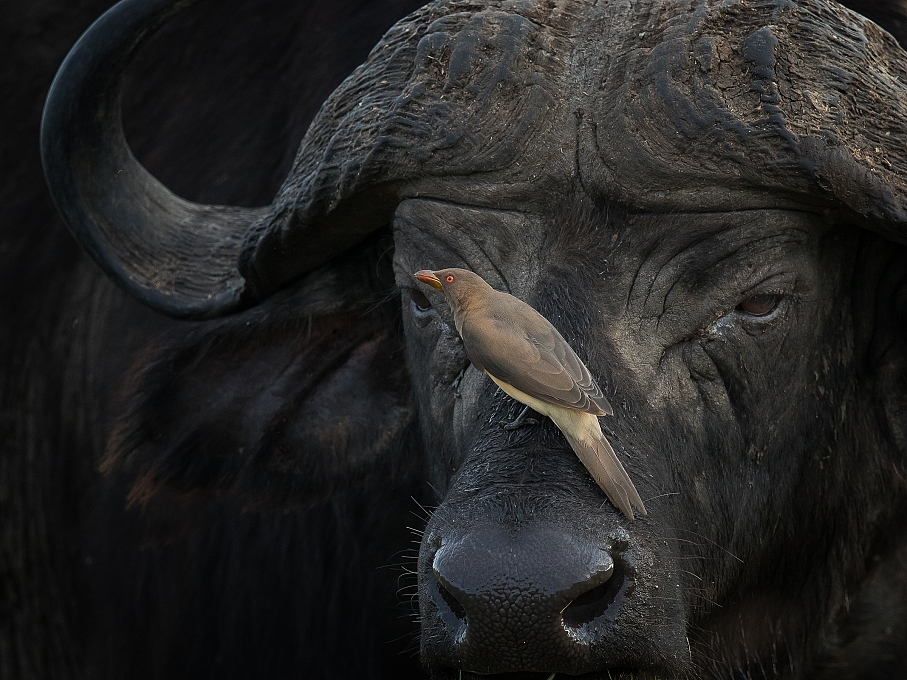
522 598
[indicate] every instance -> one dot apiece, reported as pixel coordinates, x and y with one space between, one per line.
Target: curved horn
398 124
177 256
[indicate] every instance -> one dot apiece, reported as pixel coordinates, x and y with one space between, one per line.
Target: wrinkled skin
769 451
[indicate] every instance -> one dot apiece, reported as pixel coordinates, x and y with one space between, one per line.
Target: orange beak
426 276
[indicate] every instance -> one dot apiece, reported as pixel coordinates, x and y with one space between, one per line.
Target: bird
529 360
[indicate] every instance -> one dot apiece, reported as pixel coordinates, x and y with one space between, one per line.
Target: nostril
590 605
502 599
450 599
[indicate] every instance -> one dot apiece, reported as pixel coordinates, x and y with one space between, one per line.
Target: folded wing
516 344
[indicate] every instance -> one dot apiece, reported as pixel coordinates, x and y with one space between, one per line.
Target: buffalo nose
516 599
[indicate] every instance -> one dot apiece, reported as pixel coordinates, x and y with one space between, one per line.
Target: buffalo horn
177 256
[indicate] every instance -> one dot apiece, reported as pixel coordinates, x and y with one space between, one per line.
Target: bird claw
520 421
517 424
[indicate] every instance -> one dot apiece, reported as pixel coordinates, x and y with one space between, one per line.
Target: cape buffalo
705 198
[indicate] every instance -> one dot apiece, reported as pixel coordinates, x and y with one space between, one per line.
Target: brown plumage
526 356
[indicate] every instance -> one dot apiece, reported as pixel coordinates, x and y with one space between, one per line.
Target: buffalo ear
286 403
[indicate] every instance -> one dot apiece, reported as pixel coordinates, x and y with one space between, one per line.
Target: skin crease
667 335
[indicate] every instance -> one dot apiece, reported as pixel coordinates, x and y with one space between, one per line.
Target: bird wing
514 343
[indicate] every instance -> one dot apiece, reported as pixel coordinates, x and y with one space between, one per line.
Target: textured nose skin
502 595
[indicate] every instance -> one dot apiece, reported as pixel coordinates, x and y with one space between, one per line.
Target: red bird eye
450 278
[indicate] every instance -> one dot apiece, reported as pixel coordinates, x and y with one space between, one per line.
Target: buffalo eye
419 299
759 305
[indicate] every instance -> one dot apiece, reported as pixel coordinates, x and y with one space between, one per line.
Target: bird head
458 285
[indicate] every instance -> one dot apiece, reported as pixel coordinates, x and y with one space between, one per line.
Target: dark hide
106 578
298 398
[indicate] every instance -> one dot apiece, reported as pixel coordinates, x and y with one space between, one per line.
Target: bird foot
520 421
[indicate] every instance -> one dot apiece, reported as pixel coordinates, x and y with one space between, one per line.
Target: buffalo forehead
659 106
493 241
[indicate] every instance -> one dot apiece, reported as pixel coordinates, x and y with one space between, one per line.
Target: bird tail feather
607 471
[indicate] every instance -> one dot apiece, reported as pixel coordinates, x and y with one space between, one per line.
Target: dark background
215 107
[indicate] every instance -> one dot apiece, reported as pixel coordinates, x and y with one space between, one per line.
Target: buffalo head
706 199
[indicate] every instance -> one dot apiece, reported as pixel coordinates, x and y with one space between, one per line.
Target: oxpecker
529 360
